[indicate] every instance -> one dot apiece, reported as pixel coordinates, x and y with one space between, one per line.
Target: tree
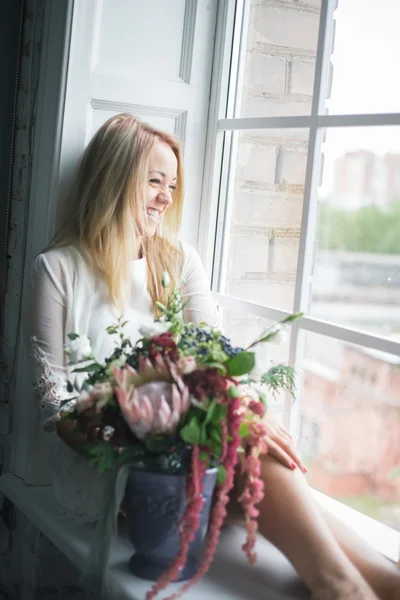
368 229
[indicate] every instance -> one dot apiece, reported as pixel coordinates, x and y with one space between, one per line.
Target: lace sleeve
45 326
196 294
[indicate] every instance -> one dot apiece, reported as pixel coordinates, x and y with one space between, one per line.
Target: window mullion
215 138
305 122
308 223
251 308
226 189
333 330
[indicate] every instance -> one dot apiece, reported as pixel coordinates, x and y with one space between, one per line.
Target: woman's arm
195 290
45 320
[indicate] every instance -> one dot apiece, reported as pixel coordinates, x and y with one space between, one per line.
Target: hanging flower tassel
253 491
224 440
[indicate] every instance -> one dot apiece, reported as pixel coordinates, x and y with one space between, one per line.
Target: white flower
70 405
188 364
156 328
79 348
166 279
119 362
108 432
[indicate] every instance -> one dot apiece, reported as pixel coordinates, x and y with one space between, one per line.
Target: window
303 215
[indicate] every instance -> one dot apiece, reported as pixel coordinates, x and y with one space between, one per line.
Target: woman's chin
151 230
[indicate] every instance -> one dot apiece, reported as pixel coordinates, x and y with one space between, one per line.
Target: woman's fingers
288 449
279 429
281 445
279 453
285 432
285 436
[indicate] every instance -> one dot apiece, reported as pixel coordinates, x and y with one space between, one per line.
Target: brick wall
270 167
31 568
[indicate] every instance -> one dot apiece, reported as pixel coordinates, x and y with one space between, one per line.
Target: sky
366 76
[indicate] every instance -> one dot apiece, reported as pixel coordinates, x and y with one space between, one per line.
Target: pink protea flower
153 398
156 369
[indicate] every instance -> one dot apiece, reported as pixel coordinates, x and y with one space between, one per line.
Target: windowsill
230 577
381 537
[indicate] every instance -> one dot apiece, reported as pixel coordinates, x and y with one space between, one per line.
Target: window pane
262 235
243 329
280 59
365 58
350 425
357 267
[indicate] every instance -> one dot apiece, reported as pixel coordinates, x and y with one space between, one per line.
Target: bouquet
180 399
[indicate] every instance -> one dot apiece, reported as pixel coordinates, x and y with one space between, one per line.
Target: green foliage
191 433
172 311
368 229
221 474
280 377
93 367
244 430
215 352
241 364
204 427
233 392
102 455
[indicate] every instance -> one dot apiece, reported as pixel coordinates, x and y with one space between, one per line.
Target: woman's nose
165 196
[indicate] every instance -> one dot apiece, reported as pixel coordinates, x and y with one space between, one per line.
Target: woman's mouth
153 214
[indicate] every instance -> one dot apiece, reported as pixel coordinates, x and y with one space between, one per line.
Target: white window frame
217 194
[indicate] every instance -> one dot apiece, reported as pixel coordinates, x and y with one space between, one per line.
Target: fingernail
304 469
293 465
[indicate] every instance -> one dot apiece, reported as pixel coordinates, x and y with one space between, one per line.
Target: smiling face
162 177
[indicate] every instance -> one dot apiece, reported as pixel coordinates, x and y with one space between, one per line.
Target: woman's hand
281 446
67 431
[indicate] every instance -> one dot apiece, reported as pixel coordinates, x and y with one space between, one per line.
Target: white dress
66 297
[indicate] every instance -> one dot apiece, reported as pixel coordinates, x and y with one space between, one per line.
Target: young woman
118 237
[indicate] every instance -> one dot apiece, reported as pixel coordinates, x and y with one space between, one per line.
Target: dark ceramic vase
154 505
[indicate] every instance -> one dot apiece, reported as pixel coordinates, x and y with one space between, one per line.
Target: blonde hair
106 209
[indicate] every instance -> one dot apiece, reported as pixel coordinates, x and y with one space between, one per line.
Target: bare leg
382 575
291 519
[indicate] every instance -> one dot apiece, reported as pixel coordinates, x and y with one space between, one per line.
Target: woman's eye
156 181
172 188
